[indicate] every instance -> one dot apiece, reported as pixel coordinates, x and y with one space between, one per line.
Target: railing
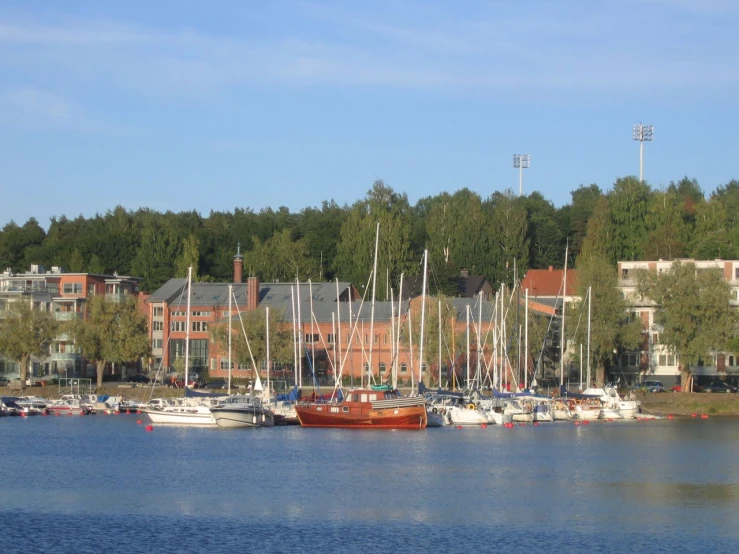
66 316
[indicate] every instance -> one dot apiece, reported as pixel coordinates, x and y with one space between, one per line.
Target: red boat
377 408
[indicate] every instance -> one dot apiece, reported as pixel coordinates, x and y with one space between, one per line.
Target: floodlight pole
521 162
642 133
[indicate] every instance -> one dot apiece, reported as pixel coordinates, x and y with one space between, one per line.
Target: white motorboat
469 415
520 410
242 411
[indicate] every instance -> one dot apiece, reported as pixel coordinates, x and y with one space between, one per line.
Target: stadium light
521 162
642 133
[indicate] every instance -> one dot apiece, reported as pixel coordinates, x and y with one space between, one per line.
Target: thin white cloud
37 105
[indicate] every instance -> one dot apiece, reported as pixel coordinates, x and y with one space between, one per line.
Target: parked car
719 386
4 381
678 388
216 384
654 386
139 378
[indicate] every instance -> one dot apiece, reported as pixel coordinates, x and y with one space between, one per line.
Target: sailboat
184 411
373 407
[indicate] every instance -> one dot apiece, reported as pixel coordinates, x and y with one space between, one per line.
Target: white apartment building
654 359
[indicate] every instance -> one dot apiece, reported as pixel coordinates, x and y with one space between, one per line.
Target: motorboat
242 411
182 411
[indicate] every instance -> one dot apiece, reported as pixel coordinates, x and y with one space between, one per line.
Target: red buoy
459 426
149 427
577 422
138 422
484 425
692 415
669 416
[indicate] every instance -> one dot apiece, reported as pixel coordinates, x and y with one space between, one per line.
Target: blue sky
181 105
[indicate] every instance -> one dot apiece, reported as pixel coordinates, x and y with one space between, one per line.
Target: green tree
693 310
111 331
544 236
629 203
190 257
355 253
26 332
279 258
253 325
667 231
506 231
578 214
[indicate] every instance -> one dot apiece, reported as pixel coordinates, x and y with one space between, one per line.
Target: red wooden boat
378 408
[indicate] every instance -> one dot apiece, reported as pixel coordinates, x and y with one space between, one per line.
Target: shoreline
663 404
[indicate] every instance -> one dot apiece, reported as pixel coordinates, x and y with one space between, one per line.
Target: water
104 484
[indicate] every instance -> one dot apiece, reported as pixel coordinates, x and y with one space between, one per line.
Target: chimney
238 264
252 293
464 273
551 268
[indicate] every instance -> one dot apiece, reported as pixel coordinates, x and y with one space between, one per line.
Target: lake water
103 484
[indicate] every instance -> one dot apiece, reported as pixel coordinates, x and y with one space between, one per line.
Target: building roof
548 282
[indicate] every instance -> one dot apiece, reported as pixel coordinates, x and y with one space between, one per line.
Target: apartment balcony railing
67 316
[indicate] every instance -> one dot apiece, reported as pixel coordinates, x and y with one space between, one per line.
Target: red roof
548 282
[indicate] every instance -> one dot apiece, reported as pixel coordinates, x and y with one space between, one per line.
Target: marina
650 484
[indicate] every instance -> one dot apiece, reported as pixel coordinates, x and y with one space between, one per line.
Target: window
330 339
731 360
624 273
310 339
156 343
179 326
383 367
201 314
72 288
662 360
366 339
384 339
377 339
158 326
224 365
404 368
199 326
91 289
158 311
736 273
179 314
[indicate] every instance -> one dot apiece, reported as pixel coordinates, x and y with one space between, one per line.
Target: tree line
490 236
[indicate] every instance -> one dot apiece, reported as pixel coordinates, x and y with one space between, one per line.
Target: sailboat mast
423 318
397 335
562 327
312 335
187 326
338 330
439 343
372 314
269 390
230 295
590 300
526 344
300 338
295 332
478 370
467 328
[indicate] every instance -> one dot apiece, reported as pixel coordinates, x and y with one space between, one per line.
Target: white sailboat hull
234 418
465 416
165 417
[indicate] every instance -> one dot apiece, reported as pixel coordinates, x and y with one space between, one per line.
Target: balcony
67 316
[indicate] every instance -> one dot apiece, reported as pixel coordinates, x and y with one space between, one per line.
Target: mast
295 332
393 355
423 317
352 332
439 343
467 330
333 330
372 314
312 336
526 344
230 294
590 300
478 371
397 335
187 327
562 327
300 338
269 390
337 337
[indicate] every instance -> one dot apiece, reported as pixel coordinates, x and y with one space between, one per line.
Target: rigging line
248 346
551 320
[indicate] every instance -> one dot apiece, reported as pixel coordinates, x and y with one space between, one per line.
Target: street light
642 133
521 162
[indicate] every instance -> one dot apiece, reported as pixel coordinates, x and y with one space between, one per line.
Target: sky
190 105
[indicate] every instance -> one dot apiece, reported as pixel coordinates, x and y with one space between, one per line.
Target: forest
494 236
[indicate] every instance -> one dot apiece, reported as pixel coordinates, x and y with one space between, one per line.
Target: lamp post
642 133
521 162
